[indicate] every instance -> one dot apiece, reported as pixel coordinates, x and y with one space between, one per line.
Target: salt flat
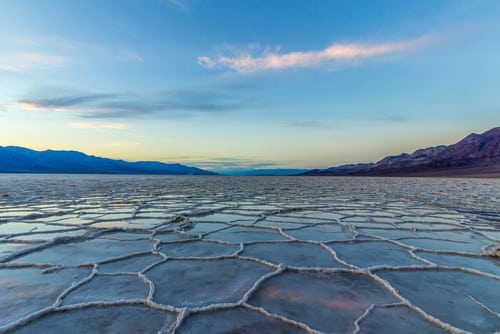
148 254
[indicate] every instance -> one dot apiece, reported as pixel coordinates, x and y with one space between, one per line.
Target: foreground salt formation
155 254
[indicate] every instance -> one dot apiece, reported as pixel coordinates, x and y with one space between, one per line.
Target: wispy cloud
74 48
246 61
306 125
62 101
227 163
374 120
178 4
27 61
394 118
169 104
99 125
129 55
43 59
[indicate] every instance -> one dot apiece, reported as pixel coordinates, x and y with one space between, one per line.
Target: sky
233 84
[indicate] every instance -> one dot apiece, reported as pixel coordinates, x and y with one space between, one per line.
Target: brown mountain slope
476 155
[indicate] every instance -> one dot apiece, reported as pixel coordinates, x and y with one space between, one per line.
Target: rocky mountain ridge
474 155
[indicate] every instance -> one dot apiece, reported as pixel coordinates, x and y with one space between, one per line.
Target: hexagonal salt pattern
235 320
113 319
195 283
148 254
329 302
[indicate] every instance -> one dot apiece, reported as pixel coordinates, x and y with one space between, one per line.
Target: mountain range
15 159
475 155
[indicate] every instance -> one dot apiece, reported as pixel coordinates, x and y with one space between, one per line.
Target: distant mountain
475 155
15 159
340 170
263 172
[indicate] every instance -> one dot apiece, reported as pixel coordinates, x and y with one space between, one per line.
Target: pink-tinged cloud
38 107
29 106
246 62
99 125
24 62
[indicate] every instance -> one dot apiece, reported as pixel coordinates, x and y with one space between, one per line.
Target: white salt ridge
179 255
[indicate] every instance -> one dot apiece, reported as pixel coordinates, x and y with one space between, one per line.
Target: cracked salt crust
284 254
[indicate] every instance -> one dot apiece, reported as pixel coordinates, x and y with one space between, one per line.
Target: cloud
77 49
245 61
395 118
169 104
226 164
306 124
128 55
343 124
43 59
62 101
179 4
27 61
98 125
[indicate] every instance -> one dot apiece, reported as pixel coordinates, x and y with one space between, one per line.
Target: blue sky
247 84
